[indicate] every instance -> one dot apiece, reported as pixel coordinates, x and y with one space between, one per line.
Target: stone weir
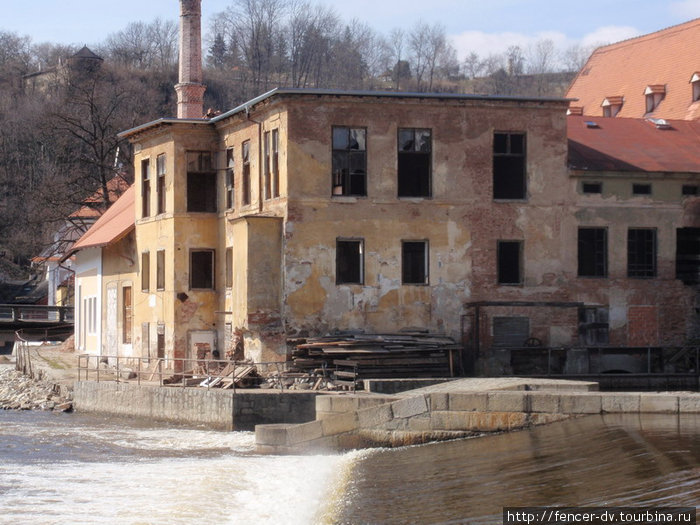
456 409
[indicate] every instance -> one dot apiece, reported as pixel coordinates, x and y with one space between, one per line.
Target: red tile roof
114 224
665 58
625 144
93 206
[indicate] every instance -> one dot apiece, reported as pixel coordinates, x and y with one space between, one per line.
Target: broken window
414 162
202 269
349 261
229 178
267 174
688 255
592 252
349 161
228 278
592 187
641 189
275 163
160 270
509 166
641 252
245 157
510 262
414 262
127 314
201 182
145 271
593 325
160 184
145 188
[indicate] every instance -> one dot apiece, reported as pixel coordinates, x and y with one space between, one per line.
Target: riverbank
20 392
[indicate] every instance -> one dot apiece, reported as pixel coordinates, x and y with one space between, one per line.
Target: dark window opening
145 188
127 314
245 157
349 161
229 178
593 325
592 187
349 262
145 271
229 268
509 262
414 162
267 164
160 184
509 166
641 252
688 255
201 182
275 163
690 189
160 270
202 269
641 189
592 252
414 262
510 332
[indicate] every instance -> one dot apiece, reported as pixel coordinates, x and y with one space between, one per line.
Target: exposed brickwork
190 90
642 323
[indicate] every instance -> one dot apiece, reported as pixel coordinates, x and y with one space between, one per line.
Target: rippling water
84 469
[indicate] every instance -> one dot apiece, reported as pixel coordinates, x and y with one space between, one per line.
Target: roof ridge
648 36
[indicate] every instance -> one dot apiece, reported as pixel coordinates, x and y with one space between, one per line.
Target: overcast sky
484 26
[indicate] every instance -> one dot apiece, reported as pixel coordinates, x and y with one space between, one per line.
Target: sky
483 26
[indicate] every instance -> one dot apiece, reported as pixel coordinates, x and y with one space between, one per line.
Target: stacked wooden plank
352 357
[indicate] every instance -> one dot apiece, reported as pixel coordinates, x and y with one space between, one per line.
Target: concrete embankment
457 409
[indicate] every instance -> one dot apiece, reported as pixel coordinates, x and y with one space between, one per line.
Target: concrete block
411 406
420 423
498 421
438 401
373 401
339 423
323 404
374 417
273 435
303 432
658 403
544 402
580 403
507 402
344 403
620 402
469 401
444 420
689 403
543 418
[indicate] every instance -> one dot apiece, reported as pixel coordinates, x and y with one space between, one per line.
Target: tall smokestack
190 90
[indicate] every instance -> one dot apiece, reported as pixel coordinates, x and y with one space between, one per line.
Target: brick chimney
190 90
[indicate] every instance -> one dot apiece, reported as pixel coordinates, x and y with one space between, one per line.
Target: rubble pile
20 392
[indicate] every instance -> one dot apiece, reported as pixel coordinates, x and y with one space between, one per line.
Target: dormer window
654 94
611 106
695 83
575 110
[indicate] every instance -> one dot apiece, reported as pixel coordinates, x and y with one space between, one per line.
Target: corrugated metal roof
114 224
625 144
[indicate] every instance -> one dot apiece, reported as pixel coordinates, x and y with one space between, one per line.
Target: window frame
229 181
599 259
342 175
146 187
503 176
212 270
146 271
412 158
267 172
406 278
647 251
591 188
500 261
160 183
645 187
228 267
160 270
127 314
275 163
246 190
359 263
203 180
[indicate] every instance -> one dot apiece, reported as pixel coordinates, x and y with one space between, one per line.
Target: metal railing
209 373
14 313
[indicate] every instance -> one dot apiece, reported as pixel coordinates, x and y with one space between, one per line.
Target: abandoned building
498 221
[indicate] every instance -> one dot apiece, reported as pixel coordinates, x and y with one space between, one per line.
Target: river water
85 469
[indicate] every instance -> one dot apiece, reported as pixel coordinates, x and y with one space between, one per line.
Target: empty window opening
127 314
245 158
145 271
160 270
349 161
688 255
592 187
145 188
689 189
229 178
510 262
592 252
641 189
202 269
228 278
414 162
201 182
509 166
160 183
414 262
593 325
349 261
641 252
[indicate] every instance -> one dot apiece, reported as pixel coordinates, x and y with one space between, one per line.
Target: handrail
36 313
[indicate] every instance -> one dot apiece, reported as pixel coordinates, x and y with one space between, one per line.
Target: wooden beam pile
353 357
